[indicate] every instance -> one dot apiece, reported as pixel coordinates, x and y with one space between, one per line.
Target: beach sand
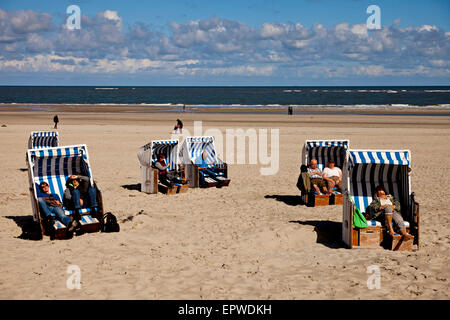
250 240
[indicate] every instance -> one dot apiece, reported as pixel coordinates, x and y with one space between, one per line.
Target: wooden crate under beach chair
365 170
54 166
149 154
191 150
323 151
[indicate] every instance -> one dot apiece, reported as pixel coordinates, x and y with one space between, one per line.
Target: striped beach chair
323 151
365 170
193 148
55 165
148 155
43 139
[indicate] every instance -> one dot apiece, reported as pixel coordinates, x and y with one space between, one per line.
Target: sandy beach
250 240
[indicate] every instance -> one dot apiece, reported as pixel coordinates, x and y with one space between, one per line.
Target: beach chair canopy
149 153
325 150
43 139
55 165
193 148
369 168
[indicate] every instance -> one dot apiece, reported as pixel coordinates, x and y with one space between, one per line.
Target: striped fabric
169 149
370 169
374 223
381 157
325 150
197 145
55 165
87 219
43 139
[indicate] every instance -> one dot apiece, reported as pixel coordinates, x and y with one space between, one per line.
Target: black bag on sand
110 223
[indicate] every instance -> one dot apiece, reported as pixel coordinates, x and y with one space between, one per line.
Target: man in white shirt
333 176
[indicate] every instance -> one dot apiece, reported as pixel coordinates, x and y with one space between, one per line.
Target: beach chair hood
193 148
149 153
43 139
325 150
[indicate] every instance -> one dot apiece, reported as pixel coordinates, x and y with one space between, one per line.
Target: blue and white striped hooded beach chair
43 139
323 151
54 166
149 154
365 170
192 149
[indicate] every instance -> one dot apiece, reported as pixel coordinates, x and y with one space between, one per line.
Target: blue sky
267 42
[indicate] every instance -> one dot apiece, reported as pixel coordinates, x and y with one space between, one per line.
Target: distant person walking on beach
179 125
55 120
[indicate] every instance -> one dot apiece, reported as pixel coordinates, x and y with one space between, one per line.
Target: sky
225 43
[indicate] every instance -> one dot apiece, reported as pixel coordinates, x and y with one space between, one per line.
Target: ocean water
334 97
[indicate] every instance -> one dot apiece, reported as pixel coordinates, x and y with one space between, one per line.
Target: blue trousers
90 197
57 211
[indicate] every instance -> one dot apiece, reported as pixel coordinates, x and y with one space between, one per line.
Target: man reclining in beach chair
167 178
79 194
206 170
50 203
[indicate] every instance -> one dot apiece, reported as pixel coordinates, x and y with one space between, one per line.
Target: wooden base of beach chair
210 182
60 231
224 181
371 237
336 199
398 244
319 200
89 224
167 190
183 188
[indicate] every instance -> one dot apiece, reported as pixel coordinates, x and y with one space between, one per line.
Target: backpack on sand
110 223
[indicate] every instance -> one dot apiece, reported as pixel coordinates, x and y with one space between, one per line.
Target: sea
364 98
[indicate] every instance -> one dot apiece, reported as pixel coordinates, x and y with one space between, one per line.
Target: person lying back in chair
315 174
79 193
51 203
333 176
166 177
204 169
386 208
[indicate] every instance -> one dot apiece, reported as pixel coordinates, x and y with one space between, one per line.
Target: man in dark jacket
79 193
165 177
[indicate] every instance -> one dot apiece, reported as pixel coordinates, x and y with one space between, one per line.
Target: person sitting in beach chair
385 208
316 176
165 177
205 169
333 177
80 194
50 203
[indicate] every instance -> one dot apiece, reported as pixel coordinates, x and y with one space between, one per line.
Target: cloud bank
31 41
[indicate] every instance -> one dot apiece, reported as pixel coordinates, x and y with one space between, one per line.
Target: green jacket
375 206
